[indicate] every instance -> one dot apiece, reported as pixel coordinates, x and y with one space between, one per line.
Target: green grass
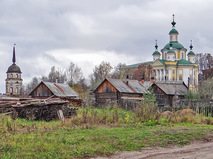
96 131
50 140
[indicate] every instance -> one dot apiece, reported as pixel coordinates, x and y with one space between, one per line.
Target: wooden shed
167 93
118 92
59 90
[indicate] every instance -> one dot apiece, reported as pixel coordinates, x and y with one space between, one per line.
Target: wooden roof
133 86
172 88
59 89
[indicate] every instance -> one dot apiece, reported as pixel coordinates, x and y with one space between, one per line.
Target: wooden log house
56 90
168 93
115 91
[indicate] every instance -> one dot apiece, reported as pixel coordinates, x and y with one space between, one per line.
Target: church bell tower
14 80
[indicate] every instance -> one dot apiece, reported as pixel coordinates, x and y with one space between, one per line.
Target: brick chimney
152 79
142 80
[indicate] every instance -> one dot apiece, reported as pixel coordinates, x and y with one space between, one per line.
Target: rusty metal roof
137 86
119 85
61 90
173 88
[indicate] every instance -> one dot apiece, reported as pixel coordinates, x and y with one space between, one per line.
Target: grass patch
52 140
96 131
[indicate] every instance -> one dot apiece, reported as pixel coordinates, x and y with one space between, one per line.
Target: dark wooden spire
14 55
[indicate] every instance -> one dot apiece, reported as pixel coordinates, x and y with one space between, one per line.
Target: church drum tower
14 80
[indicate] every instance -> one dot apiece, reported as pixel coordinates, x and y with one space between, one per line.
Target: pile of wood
37 109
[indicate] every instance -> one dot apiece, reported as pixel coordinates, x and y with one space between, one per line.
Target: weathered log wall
45 112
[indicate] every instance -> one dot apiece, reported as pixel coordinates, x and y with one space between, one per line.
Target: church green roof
173 31
137 64
156 53
183 62
162 61
191 53
175 45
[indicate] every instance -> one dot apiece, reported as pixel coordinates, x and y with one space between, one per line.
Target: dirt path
197 150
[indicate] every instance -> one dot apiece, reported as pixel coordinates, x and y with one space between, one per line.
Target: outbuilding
56 90
117 91
168 93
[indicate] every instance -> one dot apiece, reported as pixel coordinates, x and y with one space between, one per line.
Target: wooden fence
203 107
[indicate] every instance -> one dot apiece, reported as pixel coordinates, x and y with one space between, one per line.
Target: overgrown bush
185 116
147 110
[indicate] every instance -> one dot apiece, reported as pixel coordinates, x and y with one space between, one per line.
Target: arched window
182 55
11 75
11 90
180 78
16 75
17 89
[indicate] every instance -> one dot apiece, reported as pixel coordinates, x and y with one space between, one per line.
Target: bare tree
145 72
117 72
102 71
74 74
59 74
31 85
205 61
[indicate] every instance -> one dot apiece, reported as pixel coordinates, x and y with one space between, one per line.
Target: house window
16 89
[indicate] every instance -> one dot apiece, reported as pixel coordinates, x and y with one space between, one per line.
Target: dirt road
197 150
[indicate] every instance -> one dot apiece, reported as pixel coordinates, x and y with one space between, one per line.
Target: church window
16 75
173 78
16 89
180 78
11 75
168 57
11 90
182 54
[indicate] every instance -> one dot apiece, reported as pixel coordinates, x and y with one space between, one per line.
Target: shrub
147 110
183 116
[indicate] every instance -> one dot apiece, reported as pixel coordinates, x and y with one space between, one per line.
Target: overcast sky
54 33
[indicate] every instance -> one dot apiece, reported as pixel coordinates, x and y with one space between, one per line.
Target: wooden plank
60 115
6 113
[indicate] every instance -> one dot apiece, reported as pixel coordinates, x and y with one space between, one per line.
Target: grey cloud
123 26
